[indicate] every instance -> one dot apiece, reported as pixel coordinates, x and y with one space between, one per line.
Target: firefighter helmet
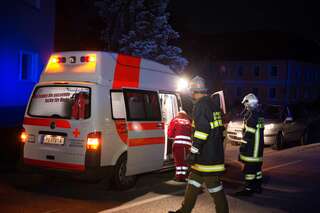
250 101
197 84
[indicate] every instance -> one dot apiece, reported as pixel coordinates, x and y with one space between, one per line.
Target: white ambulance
100 114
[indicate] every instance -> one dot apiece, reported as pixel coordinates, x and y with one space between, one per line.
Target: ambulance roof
109 69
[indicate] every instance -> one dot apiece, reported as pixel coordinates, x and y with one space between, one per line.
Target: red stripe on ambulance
138 126
54 165
127 72
46 122
146 141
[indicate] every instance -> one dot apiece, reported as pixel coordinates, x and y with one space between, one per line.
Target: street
292 179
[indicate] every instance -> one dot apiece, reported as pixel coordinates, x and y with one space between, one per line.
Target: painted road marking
128 206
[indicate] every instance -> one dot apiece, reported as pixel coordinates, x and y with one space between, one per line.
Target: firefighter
207 156
251 148
180 131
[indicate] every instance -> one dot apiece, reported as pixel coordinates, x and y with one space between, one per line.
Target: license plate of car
53 139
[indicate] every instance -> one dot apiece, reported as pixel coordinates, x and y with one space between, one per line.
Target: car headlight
269 126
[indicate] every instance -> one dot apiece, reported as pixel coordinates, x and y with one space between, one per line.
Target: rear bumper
66 170
91 171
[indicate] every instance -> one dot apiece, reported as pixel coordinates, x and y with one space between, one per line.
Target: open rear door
146 138
222 101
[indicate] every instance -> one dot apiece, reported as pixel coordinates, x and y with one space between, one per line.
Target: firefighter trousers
215 189
252 175
180 152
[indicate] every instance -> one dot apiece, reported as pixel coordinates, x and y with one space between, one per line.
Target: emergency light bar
72 59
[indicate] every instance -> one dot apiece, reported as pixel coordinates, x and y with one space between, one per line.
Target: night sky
300 17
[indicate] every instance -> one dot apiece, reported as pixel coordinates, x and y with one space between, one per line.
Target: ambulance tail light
23 136
88 58
94 141
57 60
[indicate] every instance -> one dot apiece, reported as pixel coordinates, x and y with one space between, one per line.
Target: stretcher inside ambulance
100 115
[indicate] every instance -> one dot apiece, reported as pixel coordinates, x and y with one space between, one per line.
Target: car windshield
272 112
69 102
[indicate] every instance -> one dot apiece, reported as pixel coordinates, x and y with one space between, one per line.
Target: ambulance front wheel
120 179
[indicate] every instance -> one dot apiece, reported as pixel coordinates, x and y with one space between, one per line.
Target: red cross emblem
76 133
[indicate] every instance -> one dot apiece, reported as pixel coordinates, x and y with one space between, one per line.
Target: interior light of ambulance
88 58
23 136
93 141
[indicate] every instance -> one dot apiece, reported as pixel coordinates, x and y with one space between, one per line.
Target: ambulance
100 115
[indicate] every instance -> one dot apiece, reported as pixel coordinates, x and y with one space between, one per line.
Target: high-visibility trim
182 142
181 173
259 177
216 124
259 173
209 168
250 159
178 168
200 135
250 129
185 168
216 115
256 143
182 137
249 177
194 183
126 64
193 124
194 150
215 189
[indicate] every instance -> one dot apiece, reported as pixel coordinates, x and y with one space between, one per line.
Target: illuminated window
28 66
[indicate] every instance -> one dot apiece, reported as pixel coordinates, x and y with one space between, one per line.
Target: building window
238 91
256 70
272 93
28 66
274 71
255 91
240 70
33 3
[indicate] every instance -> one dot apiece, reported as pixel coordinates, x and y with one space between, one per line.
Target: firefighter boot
248 190
257 187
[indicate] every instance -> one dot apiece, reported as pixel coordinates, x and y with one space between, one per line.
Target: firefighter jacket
207 140
251 150
180 129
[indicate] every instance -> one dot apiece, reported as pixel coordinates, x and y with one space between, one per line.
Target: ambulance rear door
146 138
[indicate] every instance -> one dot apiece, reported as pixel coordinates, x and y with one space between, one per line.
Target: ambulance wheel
120 179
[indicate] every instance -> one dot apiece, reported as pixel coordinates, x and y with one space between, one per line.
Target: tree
144 30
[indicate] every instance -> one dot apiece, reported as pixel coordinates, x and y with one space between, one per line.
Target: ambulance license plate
53 139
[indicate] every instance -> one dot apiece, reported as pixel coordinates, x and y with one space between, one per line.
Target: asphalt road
292 180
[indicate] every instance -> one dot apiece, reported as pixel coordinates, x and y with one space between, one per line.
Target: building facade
273 81
26 42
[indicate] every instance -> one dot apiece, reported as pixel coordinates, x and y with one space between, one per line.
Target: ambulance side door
146 138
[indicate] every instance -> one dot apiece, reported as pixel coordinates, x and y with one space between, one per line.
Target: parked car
283 124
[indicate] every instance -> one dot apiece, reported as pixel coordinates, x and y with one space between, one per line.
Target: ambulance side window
117 104
142 106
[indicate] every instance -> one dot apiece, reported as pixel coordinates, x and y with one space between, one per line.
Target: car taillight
23 136
93 140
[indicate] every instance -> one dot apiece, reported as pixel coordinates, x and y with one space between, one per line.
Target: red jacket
180 129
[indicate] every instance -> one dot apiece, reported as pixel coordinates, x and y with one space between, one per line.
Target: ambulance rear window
68 102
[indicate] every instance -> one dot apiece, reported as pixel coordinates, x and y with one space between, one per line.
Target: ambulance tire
121 181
